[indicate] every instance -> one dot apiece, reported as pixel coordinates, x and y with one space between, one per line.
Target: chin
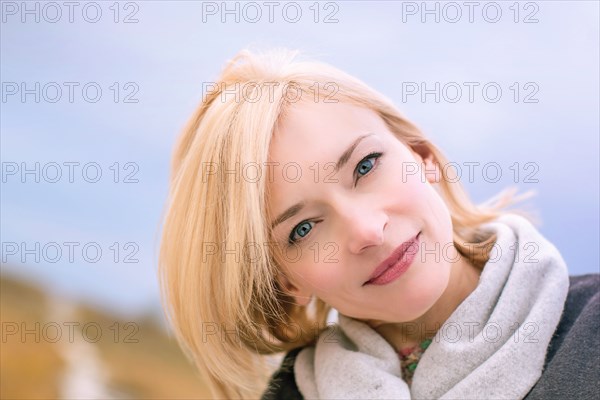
431 288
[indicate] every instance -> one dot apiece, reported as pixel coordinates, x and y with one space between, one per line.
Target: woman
296 191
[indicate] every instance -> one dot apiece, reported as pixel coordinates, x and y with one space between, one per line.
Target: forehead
319 131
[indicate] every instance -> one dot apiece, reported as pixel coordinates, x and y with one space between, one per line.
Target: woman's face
354 217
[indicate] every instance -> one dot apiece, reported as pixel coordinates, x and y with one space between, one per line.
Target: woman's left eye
365 166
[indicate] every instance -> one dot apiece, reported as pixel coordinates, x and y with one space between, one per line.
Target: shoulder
282 384
581 310
573 359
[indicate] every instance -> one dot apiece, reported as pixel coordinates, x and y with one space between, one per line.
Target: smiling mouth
399 266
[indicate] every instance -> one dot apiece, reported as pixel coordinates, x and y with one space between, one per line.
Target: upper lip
392 259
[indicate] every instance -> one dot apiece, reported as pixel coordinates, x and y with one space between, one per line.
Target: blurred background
94 95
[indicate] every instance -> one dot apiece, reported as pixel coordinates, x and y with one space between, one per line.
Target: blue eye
301 229
364 166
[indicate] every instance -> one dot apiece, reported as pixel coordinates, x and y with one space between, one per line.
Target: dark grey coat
572 366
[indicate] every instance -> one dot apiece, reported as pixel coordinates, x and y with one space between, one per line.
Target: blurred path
85 375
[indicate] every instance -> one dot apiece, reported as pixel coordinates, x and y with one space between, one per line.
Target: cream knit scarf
478 353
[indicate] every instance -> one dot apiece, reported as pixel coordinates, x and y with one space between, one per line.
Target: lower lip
395 271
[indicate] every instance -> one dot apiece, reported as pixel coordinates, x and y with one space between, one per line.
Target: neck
464 278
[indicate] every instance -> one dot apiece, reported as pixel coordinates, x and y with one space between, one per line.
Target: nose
363 227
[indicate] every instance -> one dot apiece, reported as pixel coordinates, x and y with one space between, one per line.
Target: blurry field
52 349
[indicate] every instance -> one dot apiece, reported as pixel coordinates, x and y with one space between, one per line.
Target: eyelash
376 156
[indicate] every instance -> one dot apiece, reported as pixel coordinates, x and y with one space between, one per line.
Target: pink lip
396 264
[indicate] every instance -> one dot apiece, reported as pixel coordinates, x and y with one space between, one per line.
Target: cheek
318 277
411 193
405 188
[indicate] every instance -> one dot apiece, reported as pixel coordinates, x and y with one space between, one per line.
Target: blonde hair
228 311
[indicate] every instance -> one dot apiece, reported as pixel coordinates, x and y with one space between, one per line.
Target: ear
301 296
431 169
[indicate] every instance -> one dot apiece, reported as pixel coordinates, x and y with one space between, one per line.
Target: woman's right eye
302 229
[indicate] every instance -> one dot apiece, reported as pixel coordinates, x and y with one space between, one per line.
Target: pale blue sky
170 52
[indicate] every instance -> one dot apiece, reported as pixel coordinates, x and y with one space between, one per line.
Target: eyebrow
343 160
